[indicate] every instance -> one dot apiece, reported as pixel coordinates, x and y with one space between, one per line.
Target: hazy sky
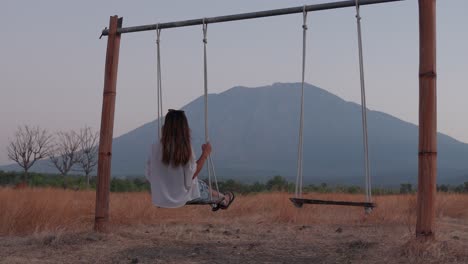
52 62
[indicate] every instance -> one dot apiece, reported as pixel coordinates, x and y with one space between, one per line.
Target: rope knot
158 34
205 31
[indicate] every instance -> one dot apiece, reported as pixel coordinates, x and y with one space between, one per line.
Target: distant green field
275 183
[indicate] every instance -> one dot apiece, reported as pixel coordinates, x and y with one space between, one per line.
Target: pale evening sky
52 62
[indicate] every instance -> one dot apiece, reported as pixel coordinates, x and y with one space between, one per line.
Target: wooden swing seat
299 202
212 202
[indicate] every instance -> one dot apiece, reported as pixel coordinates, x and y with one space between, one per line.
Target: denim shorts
204 192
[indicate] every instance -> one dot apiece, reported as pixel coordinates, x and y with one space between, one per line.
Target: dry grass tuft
441 250
39 210
36 210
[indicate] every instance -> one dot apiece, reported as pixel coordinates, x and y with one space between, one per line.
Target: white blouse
171 187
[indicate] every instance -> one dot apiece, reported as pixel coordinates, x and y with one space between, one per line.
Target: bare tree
88 152
65 153
29 145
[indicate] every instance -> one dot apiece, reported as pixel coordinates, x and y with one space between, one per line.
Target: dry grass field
54 226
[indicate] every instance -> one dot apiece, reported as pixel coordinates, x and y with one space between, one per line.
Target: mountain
254 133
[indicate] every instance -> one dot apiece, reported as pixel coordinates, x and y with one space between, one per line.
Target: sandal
215 207
231 199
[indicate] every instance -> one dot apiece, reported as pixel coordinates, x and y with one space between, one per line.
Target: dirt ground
54 226
236 243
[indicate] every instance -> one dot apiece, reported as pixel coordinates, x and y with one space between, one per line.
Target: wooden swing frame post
427 157
107 125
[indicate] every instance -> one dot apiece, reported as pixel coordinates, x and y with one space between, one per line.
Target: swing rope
363 109
298 201
210 165
158 80
300 148
211 169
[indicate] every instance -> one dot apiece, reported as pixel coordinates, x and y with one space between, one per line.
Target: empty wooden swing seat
299 202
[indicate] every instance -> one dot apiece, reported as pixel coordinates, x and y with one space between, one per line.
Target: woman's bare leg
216 194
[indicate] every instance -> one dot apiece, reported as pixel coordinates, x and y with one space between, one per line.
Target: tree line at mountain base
139 184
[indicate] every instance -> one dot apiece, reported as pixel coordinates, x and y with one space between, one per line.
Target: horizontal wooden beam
251 15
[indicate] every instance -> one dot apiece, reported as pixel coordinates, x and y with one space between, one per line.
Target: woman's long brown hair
175 140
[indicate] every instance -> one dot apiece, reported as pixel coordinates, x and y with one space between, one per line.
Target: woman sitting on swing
172 169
